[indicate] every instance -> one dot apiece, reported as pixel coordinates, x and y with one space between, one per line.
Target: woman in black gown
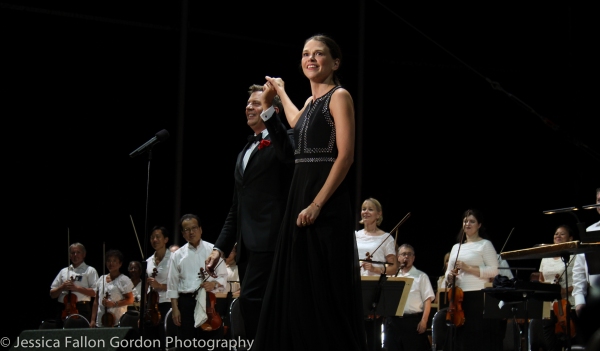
313 299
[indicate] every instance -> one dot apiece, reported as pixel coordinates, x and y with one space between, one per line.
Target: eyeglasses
191 229
406 254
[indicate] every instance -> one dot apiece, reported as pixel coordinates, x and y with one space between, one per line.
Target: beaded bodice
315 132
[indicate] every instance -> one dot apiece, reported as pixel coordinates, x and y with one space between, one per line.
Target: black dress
313 299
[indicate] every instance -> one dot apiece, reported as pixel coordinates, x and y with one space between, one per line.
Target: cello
455 314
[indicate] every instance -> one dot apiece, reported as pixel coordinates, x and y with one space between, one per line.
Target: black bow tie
253 138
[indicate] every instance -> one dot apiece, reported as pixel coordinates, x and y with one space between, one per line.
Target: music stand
384 296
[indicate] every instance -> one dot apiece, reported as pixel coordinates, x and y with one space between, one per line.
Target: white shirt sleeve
579 279
490 261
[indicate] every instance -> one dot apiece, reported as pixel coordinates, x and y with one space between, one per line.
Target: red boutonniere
264 143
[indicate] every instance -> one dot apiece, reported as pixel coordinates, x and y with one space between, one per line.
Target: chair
76 321
536 335
236 321
130 319
170 327
49 324
439 330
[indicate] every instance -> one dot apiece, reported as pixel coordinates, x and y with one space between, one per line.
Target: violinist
408 332
374 241
157 281
552 271
184 281
374 244
135 274
79 279
473 260
115 292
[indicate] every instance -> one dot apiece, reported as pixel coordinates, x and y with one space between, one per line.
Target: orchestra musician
157 281
586 289
135 274
186 288
552 271
473 260
407 333
114 292
375 245
79 279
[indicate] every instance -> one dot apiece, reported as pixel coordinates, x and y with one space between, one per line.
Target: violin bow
509 234
68 254
398 226
137 237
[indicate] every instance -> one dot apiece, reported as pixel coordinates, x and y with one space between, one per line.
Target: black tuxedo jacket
260 194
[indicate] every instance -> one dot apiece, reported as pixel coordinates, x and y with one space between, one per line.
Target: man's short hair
276 101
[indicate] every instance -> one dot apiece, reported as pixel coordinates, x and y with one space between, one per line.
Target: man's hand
422 327
211 262
176 315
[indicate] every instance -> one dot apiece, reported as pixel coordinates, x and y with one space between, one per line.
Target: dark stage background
87 82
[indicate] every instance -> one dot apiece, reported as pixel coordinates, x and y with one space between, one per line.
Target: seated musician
79 279
114 293
408 332
186 289
135 274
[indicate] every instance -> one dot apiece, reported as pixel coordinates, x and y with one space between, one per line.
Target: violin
108 319
561 308
214 321
70 301
455 314
152 314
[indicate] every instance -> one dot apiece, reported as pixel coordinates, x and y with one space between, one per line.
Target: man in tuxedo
262 177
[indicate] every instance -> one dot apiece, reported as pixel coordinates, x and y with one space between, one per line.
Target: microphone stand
144 262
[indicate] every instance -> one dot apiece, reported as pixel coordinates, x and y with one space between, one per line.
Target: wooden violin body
70 302
455 314
561 308
108 319
213 321
152 314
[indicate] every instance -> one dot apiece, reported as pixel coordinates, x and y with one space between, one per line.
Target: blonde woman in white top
377 243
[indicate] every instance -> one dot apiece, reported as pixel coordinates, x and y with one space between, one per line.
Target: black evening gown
313 299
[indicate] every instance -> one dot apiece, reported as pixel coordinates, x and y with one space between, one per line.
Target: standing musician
114 291
586 290
79 279
184 285
407 333
552 271
135 274
473 260
375 245
157 281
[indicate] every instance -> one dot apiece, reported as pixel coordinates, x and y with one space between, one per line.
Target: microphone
158 137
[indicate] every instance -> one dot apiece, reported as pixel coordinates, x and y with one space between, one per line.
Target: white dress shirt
185 268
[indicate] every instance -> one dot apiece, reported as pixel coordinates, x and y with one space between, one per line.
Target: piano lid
552 250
